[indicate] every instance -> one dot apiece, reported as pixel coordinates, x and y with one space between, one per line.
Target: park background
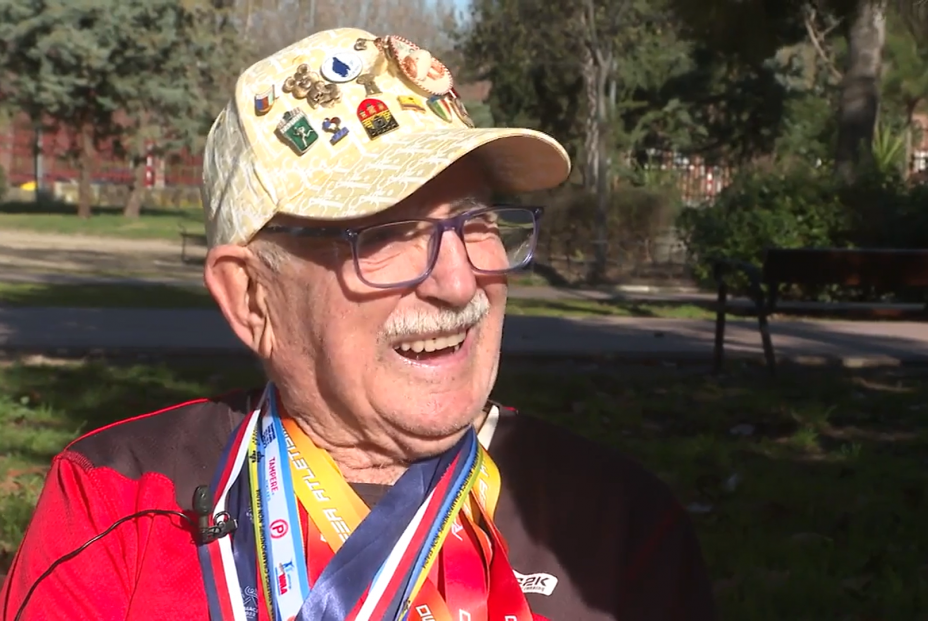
698 130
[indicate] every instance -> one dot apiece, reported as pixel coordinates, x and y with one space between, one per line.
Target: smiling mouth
429 348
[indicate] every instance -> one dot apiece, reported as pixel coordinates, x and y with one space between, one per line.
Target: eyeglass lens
497 241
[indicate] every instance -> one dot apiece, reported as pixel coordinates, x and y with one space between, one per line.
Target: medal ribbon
427 551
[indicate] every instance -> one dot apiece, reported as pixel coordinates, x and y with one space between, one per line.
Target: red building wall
17 158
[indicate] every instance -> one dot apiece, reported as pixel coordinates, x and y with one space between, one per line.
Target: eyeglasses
498 240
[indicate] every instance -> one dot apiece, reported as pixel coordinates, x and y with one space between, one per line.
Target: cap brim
517 160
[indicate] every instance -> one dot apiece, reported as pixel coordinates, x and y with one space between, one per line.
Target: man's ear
232 276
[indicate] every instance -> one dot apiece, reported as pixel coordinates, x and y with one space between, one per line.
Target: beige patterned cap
344 124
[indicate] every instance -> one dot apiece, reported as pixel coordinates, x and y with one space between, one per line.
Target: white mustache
445 320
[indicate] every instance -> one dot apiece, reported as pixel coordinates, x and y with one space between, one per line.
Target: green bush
803 208
758 211
884 212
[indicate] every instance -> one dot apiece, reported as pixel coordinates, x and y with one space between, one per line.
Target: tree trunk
598 268
909 139
133 206
860 88
85 169
591 128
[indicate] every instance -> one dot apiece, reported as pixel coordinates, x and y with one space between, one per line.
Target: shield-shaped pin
295 130
441 107
376 118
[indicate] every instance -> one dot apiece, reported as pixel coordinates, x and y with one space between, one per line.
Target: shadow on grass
607 307
56 207
96 393
810 489
808 492
549 275
139 296
542 273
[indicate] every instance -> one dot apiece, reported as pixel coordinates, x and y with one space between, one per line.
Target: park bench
194 239
885 270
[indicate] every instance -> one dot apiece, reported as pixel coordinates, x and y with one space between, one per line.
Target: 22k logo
542 584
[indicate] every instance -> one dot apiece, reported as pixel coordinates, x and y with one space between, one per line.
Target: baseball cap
344 124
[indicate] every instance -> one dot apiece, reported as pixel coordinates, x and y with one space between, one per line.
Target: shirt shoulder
182 443
594 534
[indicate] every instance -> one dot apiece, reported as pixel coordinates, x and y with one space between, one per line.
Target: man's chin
426 434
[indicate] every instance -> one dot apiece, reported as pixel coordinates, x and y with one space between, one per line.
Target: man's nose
452 280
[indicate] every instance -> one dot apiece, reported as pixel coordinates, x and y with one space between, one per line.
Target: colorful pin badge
370 87
376 118
333 126
295 130
341 67
458 104
265 101
441 107
408 102
419 66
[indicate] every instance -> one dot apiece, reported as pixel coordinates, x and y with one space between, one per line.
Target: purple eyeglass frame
454 223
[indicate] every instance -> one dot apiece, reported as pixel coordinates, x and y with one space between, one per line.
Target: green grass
60 218
104 296
593 308
168 296
818 514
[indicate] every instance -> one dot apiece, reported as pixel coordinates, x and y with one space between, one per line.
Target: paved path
37 257
29 254
33 257
204 331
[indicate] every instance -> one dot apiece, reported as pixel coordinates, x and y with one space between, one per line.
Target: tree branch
809 20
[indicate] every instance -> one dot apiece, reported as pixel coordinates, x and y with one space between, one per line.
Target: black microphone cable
223 524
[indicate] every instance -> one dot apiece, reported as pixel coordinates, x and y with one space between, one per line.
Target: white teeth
430 345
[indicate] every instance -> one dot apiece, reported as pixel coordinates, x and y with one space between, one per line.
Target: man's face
407 367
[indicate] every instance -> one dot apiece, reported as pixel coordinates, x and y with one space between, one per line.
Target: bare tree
271 24
600 27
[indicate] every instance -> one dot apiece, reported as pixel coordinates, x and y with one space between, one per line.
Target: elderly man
356 248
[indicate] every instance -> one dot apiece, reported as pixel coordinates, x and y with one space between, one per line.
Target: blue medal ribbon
359 561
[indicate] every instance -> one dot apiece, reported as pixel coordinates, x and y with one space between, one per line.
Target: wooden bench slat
197 239
886 269
889 270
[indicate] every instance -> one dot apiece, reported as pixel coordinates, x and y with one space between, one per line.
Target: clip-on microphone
223 523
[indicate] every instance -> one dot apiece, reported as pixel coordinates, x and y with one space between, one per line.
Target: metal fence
29 156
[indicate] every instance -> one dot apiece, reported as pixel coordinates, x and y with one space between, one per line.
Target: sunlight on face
411 366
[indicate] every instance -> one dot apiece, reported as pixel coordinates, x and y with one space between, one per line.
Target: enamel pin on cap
342 66
458 105
295 130
265 101
419 66
376 118
333 125
441 107
370 87
408 102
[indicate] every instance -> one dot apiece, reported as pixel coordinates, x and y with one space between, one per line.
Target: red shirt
593 535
